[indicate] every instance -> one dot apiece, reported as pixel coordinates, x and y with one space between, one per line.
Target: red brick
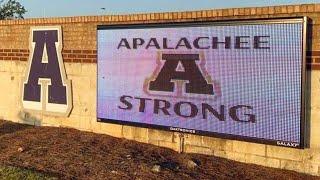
71 55
91 56
297 8
290 9
189 15
317 8
15 58
247 11
157 16
316 60
161 15
76 51
241 11
303 8
87 51
67 60
23 59
81 56
314 66
24 50
236 12
271 10
76 60
165 16
310 8
121 18
204 13
284 10
225 12
265 10
152 16
80 44
86 61
193 14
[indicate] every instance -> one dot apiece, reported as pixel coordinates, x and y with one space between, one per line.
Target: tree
11 9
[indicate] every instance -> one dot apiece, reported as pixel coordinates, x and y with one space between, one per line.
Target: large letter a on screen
181 67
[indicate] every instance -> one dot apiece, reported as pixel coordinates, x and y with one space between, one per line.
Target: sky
56 8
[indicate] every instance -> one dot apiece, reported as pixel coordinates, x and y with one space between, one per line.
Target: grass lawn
18 173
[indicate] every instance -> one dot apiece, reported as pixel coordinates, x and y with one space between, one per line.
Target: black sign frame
304 138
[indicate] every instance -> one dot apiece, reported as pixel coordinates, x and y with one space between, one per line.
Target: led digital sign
235 79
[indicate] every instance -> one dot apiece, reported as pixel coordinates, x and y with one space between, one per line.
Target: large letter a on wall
45 87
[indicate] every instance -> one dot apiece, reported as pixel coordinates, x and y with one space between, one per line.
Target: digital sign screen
238 80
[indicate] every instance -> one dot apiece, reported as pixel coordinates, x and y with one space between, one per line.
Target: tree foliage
11 9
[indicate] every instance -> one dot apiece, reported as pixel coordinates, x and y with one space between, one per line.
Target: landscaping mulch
71 154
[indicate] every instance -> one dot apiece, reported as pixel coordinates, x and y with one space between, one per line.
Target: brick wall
80 52
83 48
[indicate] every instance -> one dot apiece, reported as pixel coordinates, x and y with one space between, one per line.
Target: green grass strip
13 173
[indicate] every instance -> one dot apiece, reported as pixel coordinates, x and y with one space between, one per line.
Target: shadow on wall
307 92
27 118
7 127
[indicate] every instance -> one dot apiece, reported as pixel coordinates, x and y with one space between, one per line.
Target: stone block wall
80 58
